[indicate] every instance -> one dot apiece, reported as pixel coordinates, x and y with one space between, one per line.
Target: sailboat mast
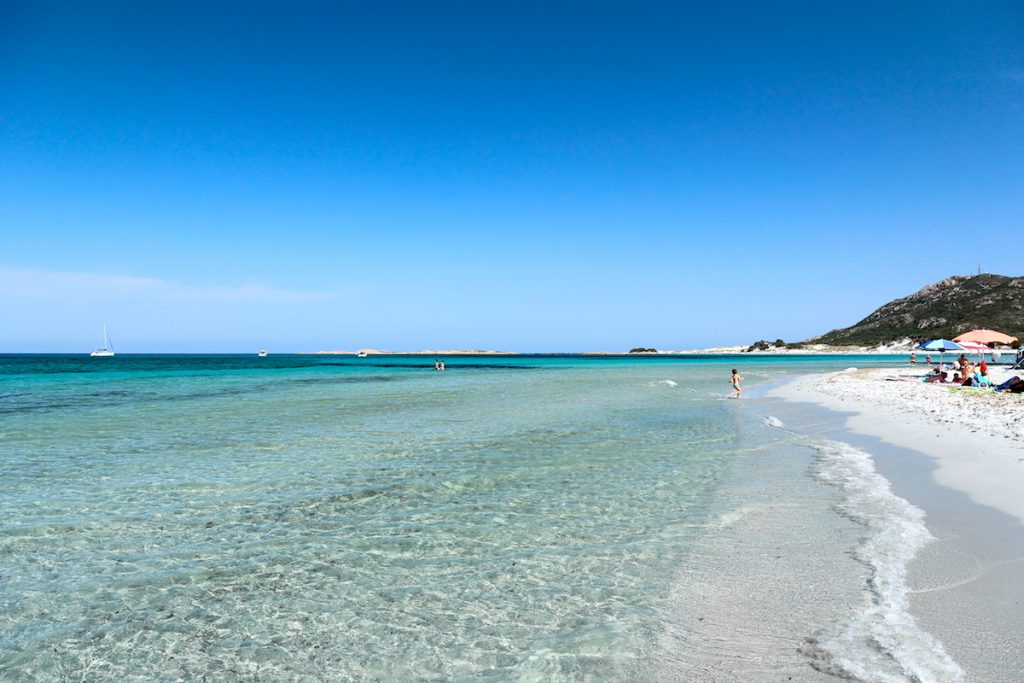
106 349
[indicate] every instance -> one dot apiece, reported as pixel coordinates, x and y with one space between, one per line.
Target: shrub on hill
944 309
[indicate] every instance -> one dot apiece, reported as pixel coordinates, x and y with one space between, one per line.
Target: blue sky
528 176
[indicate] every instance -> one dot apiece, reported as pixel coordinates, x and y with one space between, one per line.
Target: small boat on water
361 354
262 353
107 349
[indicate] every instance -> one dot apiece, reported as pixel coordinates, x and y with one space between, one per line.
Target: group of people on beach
965 373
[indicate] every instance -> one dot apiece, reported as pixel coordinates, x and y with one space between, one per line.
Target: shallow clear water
332 517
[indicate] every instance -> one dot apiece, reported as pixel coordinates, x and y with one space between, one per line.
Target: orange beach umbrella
985 337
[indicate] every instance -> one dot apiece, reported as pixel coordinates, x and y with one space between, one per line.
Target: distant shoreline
444 352
812 350
743 351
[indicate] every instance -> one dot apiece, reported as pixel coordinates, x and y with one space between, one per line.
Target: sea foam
883 642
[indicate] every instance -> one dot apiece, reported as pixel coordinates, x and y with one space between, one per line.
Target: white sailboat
108 349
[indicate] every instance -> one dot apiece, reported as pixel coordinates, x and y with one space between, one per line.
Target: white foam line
883 643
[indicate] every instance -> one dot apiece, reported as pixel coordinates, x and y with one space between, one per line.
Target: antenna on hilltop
979 269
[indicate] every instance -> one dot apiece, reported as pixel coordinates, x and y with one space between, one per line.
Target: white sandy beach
976 437
897 347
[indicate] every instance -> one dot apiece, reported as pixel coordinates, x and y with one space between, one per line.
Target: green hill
941 310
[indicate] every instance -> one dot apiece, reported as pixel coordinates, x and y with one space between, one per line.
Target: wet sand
769 576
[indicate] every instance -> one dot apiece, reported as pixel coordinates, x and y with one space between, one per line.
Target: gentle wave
883 643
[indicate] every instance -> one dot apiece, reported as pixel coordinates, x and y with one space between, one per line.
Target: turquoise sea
305 517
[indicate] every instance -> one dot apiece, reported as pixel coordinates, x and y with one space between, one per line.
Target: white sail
107 349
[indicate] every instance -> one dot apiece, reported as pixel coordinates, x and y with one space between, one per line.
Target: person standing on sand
736 379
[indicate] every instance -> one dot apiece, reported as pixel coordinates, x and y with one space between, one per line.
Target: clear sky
527 176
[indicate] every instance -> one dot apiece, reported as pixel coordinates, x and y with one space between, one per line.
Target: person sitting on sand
938 377
980 377
736 379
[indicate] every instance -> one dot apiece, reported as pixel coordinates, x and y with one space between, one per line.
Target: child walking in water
736 379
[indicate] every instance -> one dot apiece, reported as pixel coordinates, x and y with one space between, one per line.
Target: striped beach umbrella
975 347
